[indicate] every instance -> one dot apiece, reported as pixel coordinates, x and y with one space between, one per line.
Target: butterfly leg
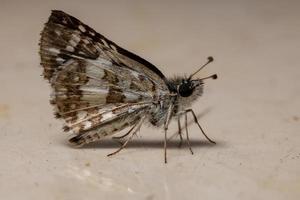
124 144
187 133
169 115
179 131
118 141
165 145
132 131
121 137
196 121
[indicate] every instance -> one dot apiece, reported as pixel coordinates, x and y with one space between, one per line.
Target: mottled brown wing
95 124
82 84
98 87
65 37
93 102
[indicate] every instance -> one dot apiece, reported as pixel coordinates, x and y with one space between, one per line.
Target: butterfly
99 88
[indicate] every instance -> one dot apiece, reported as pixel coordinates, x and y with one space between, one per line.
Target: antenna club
210 59
215 76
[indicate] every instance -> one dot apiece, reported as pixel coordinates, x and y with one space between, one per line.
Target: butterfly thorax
183 92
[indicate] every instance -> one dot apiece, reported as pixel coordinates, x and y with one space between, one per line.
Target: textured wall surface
252 111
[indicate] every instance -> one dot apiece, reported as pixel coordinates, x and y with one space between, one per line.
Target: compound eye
186 89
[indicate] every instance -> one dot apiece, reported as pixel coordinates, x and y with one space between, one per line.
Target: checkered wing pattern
99 88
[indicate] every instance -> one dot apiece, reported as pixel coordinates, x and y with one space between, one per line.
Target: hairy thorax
159 110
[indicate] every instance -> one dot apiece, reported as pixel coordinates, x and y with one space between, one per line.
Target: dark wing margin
61 19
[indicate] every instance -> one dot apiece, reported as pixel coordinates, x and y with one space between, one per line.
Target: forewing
65 37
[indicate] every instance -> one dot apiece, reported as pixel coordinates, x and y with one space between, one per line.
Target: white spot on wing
58 32
53 50
114 47
107 116
135 74
73 43
60 60
130 96
105 43
81 114
130 110
76 37
86 41
81 28
70 48
92 33
76 78
96 90
101 61
87 125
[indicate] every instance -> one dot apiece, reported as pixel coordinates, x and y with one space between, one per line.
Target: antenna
210 59
214 76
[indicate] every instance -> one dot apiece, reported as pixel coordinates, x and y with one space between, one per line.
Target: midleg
179 131
187 133
132 131
196 121
169 114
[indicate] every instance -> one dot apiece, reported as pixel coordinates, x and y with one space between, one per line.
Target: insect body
100 88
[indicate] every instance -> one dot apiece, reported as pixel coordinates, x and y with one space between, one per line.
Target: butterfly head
188 89
189 86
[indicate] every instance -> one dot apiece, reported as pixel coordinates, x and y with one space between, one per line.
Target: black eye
186 89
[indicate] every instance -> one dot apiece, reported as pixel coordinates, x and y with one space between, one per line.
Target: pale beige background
252 110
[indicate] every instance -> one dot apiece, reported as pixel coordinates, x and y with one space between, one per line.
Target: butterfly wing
98 87
65 37
97 123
